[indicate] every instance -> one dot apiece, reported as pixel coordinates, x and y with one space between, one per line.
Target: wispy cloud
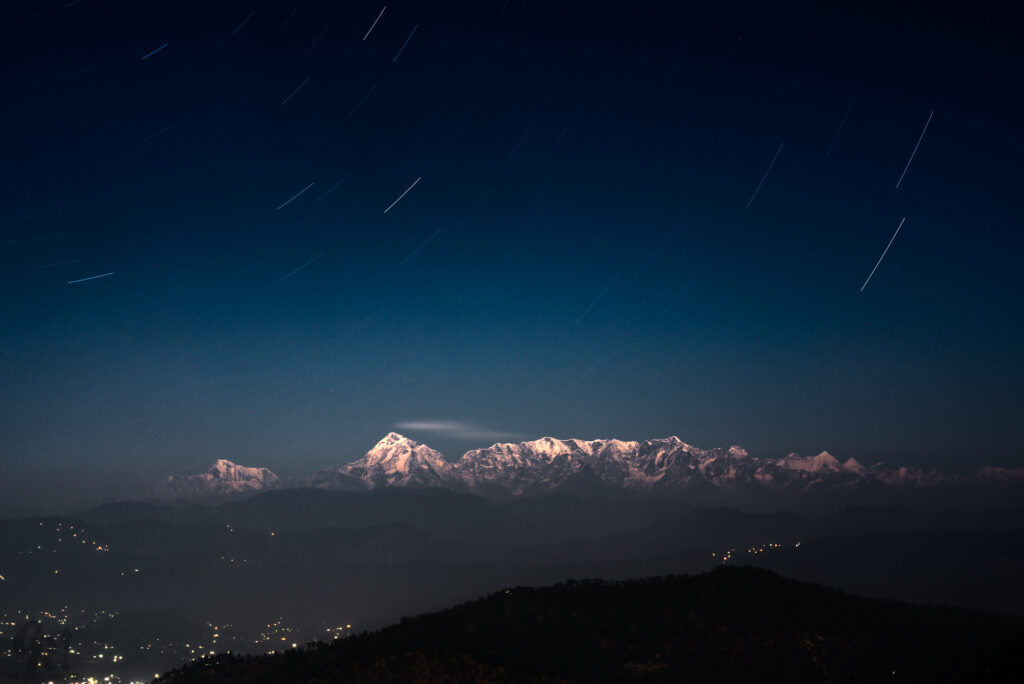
454 429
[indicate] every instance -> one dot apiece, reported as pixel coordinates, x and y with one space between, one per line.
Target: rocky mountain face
661 467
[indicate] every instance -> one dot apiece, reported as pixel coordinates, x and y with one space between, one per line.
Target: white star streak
424 244
82 280
919 139
150 54
403 194
375 22
883 254
303 266
765 176
295 196
294 92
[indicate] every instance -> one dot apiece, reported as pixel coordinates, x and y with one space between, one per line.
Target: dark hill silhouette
439 512
732 624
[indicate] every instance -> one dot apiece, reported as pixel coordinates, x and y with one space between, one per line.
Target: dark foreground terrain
731 624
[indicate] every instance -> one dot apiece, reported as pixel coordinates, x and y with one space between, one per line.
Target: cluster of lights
238 562
78 536
338 631
753 551
100 654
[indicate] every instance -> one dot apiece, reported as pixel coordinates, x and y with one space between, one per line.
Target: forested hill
732 624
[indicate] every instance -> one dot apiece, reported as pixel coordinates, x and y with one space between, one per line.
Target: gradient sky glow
577 259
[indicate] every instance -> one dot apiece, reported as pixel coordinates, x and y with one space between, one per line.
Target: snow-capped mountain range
657 466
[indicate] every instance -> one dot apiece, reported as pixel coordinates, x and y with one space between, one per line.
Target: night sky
582 253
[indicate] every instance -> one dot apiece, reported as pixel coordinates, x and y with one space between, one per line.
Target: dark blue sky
587 265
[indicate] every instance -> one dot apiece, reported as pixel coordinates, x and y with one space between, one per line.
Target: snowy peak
223 478
392 439
393 461
854 466
401 456
547 447
822 463
226 470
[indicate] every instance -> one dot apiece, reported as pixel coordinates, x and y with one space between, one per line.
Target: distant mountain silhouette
732 624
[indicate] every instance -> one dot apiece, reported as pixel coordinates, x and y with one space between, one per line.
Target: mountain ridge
655 467
731 624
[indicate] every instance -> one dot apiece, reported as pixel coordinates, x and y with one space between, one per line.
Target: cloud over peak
455 429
